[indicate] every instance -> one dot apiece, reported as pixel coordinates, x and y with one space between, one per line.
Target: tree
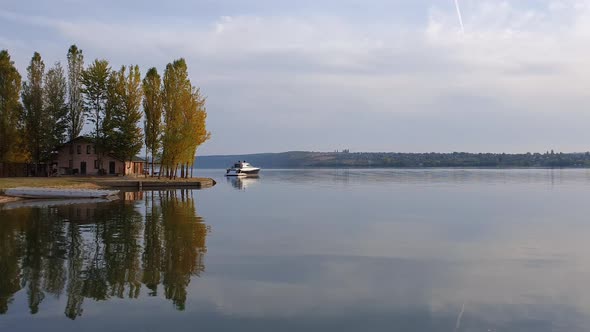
125 96
75 118
197 132
35 118
95 90
55 103
10 111
175 85
184 117
152 107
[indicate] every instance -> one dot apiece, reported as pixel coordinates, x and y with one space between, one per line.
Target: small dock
153 183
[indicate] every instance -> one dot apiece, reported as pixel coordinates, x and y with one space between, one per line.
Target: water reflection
102 250
242 183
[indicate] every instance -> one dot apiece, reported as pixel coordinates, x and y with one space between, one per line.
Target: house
79 157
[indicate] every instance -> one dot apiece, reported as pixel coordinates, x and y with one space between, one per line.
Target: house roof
88 139
138 159
77 139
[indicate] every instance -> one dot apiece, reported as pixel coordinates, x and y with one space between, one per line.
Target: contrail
458 324
460 16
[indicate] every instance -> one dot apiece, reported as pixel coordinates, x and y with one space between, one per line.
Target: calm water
309 250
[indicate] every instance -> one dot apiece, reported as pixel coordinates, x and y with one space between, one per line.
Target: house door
83 168
111 167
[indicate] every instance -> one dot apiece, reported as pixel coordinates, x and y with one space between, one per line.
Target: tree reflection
102 251
184 237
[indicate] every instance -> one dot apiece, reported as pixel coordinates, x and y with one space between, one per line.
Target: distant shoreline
302 159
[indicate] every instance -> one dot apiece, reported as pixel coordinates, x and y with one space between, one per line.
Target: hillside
300 159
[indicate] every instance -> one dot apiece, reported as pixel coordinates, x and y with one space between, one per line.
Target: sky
325 75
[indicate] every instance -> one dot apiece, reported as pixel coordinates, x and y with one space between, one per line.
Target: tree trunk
152 175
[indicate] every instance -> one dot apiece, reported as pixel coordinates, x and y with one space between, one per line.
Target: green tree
95 90
35 117
55 104
75 117
10 111
152 107
124 113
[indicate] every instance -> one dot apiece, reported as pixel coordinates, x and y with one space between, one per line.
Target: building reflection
101 251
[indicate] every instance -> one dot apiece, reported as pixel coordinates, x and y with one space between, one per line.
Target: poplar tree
152 107
175 86
55 104
10 111
184 118
124 116
95 89
199 133
35 119
75 118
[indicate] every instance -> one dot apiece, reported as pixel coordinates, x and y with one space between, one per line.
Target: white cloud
527 60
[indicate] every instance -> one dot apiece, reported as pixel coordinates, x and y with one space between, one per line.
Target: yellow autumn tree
184 120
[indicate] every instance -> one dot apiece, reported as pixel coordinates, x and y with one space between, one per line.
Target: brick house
78 157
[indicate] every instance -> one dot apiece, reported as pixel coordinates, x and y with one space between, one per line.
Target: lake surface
309 250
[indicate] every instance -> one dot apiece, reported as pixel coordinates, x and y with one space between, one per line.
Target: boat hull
252 172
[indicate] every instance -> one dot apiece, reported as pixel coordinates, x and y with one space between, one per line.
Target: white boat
242 168
29 192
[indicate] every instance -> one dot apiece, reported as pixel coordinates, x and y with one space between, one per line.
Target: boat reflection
102 250
241 183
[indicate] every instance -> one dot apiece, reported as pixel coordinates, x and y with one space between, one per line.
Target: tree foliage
124 102
95 89
184 118
36 120
152 107
10 111
56 106
75 117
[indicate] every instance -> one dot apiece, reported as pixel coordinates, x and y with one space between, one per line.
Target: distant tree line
298 159
455 159
51 108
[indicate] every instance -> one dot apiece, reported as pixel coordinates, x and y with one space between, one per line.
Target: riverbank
72 182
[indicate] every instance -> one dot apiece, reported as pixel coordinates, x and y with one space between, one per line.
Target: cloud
529 59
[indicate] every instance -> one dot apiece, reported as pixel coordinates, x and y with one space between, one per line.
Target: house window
94 149
71 149
71 164
87 149
79 149
96 164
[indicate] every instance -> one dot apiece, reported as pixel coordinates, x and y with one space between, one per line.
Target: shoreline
137 183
